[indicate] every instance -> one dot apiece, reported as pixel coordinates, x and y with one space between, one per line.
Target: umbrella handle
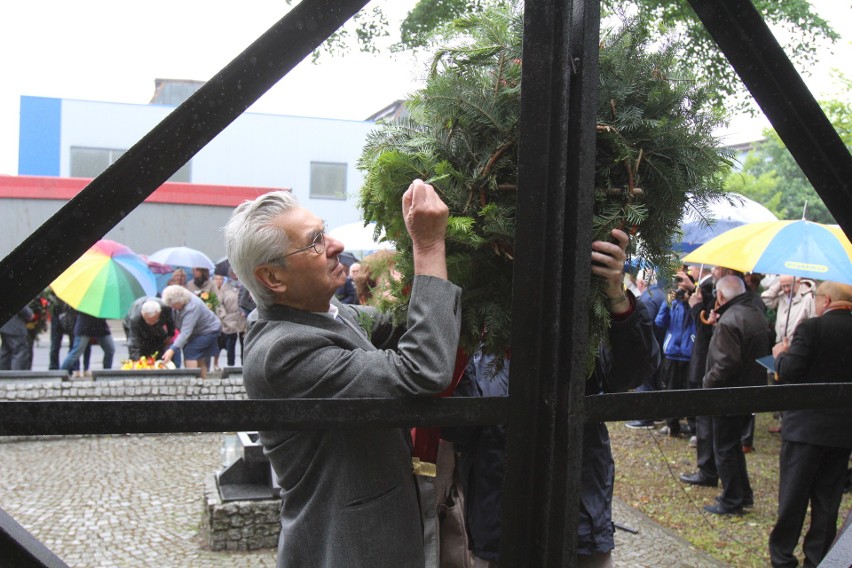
702 316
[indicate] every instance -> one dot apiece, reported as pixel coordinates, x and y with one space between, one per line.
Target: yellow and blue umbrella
105 281
799 248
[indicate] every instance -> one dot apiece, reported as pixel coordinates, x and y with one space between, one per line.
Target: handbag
455 546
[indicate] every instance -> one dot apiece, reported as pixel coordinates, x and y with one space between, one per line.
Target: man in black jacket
150 328
816 444
741 336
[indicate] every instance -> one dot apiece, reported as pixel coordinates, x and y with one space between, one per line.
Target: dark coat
143 339
346 294
819 353
634 354
90 326
741 336
703 334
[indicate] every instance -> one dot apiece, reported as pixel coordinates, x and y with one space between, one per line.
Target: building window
328 180
91 162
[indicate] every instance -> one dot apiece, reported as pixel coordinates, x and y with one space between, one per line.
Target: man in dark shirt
150 328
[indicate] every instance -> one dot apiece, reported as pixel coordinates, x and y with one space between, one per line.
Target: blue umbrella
726 213
183 256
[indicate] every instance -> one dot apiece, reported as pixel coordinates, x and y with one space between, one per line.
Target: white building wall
258 150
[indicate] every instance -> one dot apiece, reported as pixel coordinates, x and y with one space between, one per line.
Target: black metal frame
547 409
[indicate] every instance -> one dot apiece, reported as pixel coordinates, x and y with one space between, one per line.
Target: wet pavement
137 500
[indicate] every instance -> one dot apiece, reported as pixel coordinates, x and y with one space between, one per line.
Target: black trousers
812 474
730 460
674 377
706 454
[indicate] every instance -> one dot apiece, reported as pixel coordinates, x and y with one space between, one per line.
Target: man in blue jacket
676 319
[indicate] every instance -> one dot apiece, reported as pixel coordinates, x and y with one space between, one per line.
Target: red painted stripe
63 189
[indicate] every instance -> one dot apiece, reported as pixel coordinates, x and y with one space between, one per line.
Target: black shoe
748 502
720 510
640 424
699 478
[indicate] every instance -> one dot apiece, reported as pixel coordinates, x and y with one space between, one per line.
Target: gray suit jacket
348 496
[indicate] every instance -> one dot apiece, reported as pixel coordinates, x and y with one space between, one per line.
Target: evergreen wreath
655 155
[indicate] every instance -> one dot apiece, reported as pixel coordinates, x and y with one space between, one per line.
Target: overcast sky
112 51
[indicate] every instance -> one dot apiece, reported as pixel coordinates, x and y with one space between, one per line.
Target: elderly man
816 444
793 301
741 335
150 328
348 495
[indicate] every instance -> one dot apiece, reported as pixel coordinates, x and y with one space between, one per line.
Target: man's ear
273 277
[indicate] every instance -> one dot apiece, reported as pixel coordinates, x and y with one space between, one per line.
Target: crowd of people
349 496
189 323
721 322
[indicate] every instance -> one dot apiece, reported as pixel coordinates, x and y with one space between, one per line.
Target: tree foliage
654 150
772 177
796 20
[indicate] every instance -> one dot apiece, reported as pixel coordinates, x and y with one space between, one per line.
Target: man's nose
333 246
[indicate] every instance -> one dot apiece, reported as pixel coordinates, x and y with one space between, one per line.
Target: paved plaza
137 500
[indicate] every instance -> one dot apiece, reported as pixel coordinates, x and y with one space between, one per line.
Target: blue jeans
80 344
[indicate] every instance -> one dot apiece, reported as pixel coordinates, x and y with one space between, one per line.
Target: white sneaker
693 442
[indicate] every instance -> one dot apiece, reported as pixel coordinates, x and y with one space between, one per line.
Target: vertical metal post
773 81
551 282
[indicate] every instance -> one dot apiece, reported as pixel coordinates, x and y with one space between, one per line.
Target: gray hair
151 308
731 286
176 294
251 240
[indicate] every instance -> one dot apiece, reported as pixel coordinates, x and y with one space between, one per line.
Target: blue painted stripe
39 138
807 250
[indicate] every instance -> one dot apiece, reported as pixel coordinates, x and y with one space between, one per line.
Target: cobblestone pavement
117 501
137 500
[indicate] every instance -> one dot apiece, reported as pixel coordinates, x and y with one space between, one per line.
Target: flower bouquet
210 299
146 363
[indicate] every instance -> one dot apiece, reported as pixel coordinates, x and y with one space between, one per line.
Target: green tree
806 31
655 150
772 177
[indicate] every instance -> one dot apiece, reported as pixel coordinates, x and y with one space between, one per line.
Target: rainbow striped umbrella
105 281
799 248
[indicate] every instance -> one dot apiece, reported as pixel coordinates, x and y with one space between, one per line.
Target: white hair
176 294
151 308
731 286
252 240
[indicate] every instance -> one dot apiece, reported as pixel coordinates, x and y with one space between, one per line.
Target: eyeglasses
318 244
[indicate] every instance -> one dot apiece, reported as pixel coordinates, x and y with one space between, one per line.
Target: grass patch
647 467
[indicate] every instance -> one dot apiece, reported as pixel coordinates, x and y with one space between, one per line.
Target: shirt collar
332 312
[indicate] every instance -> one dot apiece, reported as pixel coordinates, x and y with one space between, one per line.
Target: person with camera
675 317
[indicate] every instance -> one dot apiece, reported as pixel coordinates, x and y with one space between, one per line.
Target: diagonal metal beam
770 77
551 282
21 549
110 197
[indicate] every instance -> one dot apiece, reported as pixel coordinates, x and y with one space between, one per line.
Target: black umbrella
223 268
347 258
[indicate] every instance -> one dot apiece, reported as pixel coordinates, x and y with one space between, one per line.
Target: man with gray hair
740 336
150 328
348 495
